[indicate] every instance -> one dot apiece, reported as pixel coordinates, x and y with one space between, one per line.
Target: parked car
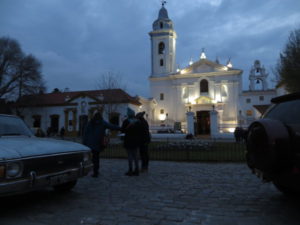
28 163
273 144
165 131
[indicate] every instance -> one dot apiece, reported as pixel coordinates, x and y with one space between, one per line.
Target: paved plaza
170 193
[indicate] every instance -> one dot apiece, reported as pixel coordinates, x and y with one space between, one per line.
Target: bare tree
110 80
30 77
107 81
19 73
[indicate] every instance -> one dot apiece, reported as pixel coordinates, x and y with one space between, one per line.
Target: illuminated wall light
218 98
202 56
192 100
229 65
231 130
162 117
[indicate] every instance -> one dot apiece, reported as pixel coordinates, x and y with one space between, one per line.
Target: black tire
267 144
65 187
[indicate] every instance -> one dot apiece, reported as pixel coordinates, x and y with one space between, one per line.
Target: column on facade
214 123
66 119
74 121
70 117
190 122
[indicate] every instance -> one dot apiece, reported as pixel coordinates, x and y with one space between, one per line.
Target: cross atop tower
163 2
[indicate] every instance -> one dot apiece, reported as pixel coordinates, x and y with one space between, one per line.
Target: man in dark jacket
93 137
144 139
131 129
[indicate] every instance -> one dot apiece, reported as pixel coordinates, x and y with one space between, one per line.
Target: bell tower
163 45
258 74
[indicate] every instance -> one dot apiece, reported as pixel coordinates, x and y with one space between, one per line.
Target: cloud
76 40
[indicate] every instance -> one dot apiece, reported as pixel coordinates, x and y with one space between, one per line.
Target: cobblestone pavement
171 193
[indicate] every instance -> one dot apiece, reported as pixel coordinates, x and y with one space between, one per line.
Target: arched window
204 86
161 48
161 25
161 62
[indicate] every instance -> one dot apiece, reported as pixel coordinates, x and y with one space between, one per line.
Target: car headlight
14 169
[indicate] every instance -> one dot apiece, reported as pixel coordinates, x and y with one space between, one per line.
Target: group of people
136 139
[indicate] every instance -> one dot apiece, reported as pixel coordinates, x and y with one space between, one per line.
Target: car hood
20 147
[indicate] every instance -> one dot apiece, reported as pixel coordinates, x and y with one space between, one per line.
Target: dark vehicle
273 144
29 163
165 131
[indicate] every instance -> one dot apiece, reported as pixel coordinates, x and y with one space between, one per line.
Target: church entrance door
203 122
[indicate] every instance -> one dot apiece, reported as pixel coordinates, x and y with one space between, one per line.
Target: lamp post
167 119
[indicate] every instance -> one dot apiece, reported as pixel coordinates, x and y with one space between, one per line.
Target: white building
72 110
205 97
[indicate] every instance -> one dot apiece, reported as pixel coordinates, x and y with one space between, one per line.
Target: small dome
163 21
163 13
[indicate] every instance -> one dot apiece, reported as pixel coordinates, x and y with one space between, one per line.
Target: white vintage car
29 163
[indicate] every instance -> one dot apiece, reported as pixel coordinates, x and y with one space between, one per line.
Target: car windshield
287 112
13 126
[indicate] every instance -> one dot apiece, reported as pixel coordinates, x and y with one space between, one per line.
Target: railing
194 151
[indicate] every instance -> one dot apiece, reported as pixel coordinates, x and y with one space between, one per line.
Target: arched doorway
203 122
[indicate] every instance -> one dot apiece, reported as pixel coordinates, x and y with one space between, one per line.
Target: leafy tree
20 74
288 66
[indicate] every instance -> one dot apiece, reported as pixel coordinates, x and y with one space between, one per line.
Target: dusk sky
78 40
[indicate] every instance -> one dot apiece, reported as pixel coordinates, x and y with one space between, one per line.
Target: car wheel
267 143
286 189
65 186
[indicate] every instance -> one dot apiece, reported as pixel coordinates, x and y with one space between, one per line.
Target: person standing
62 132
144 140
93 137
131 129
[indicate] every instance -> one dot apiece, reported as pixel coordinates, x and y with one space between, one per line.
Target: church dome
163 13
163 21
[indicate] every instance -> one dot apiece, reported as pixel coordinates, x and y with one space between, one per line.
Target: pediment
203 100
205 66
83 97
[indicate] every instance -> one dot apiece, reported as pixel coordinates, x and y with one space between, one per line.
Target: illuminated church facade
205 97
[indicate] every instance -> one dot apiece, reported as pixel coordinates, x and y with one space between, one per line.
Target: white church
205 97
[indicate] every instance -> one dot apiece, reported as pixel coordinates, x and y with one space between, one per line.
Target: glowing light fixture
202 56
178 68
231 130
229 64
162 117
